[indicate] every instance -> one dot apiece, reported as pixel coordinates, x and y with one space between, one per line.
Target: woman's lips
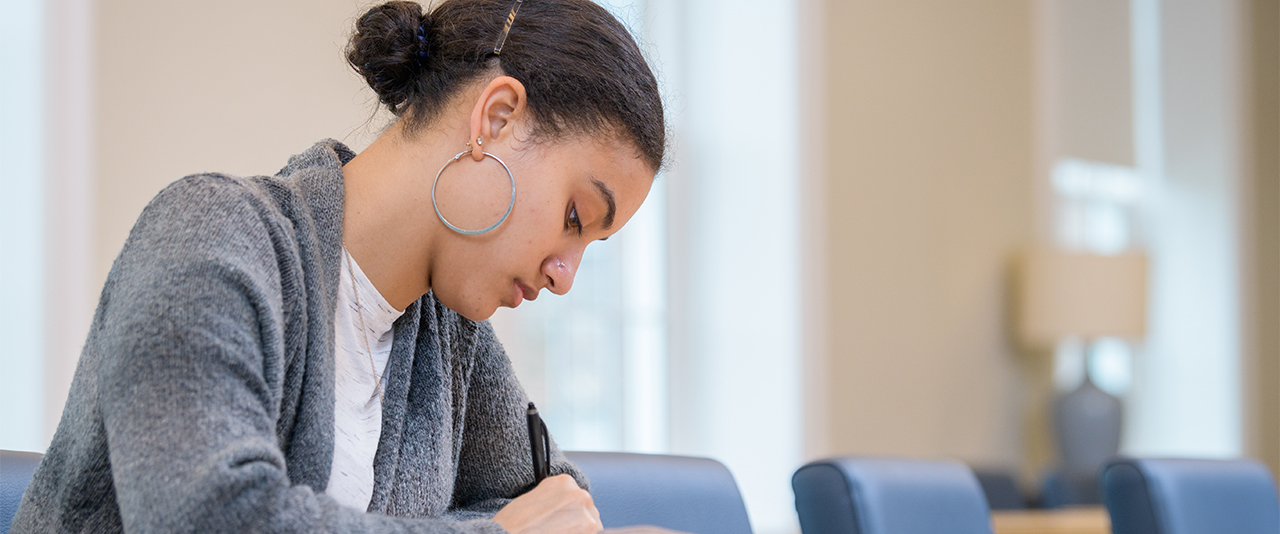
527 292
523 293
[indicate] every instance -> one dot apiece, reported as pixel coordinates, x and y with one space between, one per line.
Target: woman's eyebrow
607 195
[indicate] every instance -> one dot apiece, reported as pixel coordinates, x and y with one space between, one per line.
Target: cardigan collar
317 175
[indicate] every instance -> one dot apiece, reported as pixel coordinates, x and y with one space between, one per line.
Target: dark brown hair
581 69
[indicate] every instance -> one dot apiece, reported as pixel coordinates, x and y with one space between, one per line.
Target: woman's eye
574 222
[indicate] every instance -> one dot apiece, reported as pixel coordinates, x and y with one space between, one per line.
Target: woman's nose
560 271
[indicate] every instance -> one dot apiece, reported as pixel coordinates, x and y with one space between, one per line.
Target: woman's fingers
556 505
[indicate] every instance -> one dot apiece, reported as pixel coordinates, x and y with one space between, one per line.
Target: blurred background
841 258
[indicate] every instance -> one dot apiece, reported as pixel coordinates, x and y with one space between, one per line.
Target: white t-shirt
358 407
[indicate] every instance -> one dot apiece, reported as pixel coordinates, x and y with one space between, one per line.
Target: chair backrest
1148 496
696 495
16 469
859 495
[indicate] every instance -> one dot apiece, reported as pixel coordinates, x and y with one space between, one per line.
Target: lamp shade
1063 294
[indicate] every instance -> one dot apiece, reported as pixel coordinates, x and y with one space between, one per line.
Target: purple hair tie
422 44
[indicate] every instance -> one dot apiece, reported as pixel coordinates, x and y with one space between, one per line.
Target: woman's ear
501 104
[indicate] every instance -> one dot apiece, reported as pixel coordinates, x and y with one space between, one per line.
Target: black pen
539 445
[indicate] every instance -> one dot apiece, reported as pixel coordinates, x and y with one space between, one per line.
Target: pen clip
546 447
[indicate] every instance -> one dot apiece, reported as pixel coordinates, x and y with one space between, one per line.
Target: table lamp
1089 296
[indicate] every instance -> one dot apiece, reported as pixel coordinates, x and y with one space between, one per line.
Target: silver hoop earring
504 215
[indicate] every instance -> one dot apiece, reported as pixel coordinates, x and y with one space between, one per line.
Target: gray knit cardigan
203 400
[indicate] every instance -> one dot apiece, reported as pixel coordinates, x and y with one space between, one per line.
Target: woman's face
569 193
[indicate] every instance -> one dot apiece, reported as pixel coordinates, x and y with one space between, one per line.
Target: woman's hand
557 505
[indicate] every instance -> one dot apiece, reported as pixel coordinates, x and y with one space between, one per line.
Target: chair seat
696 495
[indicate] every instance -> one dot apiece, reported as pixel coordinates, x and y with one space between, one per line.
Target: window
21 226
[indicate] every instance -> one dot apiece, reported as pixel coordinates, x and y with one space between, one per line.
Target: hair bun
390 48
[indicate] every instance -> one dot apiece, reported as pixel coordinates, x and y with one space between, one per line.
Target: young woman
308 352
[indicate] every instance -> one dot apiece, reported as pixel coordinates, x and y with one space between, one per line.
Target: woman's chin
483 316
476 314
474 311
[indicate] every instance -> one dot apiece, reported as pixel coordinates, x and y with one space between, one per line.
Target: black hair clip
506 28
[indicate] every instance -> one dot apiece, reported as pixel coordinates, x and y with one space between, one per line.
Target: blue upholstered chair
1146 496
857 495
696 495
16 469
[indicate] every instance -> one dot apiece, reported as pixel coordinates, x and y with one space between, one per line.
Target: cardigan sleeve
190 340
495 464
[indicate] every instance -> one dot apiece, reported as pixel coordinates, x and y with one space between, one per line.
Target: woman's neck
384 225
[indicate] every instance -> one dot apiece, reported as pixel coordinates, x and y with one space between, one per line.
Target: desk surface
1089 520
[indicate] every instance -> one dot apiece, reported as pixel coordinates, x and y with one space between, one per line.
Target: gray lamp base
1087 424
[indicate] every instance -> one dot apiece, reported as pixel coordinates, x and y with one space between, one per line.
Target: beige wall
1084 62
231 86
1083 94
929 134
